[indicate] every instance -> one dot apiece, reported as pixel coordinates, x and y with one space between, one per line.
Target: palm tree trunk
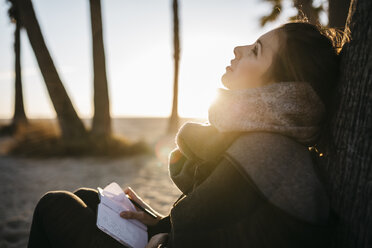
70 123
349 163
19 116
337 13
174 119
101 126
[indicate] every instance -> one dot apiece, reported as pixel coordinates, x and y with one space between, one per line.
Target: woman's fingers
130 192
156 240
140 216
132 195
133 215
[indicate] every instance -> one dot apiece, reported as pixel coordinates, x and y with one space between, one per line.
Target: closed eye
254 50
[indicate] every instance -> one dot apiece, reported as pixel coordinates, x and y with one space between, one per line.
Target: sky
139 53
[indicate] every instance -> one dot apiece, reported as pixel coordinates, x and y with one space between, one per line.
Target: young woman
248 178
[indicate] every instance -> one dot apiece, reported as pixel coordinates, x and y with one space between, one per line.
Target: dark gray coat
256 189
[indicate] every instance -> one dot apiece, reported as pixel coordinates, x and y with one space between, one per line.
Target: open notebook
131 233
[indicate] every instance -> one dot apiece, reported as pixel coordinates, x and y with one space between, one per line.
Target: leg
61 219
89 197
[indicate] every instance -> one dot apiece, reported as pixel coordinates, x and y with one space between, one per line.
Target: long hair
309 53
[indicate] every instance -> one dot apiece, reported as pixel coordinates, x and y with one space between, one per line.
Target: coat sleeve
222 198
182 171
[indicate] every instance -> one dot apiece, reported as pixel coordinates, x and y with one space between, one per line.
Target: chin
224 81
226 84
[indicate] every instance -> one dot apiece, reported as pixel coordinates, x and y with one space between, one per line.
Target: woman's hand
156 240
139 214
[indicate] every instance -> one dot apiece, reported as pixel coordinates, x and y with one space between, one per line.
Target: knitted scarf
289 108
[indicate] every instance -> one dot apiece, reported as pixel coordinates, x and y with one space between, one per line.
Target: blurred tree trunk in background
101 126
337 13
70 124
174 119
19 116
349 163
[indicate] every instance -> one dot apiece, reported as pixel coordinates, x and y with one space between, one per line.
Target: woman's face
251 62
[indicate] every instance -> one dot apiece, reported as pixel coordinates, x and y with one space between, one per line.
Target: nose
239 50
236 51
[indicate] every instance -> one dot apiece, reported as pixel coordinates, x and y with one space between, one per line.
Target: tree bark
101 126
71 125
349 164
174 119
337 13
19 116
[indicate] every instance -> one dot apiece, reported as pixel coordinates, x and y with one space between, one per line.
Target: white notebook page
129 232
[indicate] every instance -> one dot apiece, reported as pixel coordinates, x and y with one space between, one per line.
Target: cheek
249 71
246 74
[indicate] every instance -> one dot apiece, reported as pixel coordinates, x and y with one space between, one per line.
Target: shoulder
262 153
283 171
266 141
270 158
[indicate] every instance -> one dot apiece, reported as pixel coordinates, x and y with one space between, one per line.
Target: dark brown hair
310 53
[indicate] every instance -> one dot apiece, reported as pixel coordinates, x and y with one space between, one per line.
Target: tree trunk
19 116
349 165
101 126
174 119
337 13
71 125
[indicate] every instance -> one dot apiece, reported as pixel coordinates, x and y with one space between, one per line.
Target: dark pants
65 219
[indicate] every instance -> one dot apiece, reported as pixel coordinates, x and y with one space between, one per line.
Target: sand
23 180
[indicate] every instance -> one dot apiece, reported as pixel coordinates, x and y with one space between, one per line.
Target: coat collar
292 109
204 142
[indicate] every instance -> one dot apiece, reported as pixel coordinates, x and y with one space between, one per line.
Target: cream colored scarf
289 108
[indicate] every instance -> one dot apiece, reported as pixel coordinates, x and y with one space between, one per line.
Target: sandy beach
24 180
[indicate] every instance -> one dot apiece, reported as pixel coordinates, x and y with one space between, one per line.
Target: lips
228 68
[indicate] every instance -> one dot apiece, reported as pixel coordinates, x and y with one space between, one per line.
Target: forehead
270 42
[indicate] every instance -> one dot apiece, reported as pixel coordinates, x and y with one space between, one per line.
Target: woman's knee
50 198
88 196
86 193
53 196
62 214
84 190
